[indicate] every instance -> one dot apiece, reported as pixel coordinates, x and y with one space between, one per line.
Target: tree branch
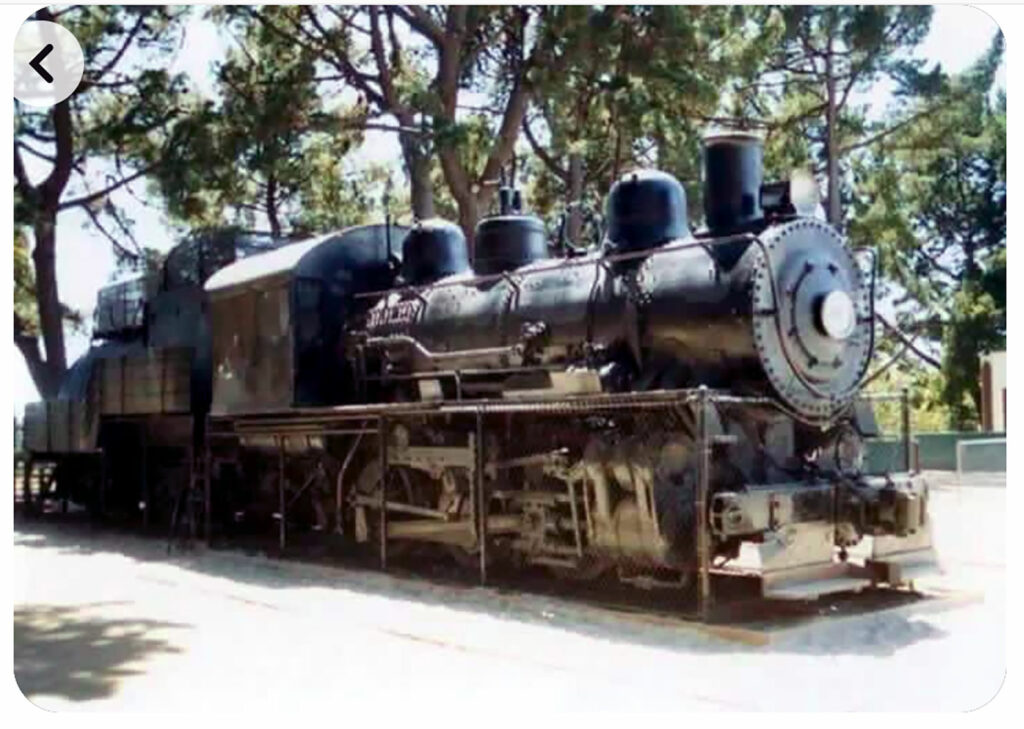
421 21
542 153
35 153
20 176
118 247
377 48
38 136
58 179
54 185
340 61
908 342
515 112
347 21
28 345
887 132
799 116
109 66
85 200
116 214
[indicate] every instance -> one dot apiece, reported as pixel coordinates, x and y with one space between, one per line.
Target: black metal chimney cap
733 172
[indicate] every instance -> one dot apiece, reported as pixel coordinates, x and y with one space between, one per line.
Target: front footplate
897 521
802 540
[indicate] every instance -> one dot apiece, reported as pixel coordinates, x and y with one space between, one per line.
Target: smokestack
733 171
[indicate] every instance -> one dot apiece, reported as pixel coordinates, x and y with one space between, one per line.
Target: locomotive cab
278 319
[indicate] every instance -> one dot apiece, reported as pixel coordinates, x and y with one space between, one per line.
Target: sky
958 36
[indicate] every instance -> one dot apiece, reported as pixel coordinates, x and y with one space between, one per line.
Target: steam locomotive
670 404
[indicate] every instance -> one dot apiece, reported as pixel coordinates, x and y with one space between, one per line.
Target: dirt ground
105 622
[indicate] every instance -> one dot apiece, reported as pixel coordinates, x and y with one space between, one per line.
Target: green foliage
928 409
24 285
149 262
268 154
366 52
125 108
804 96
333 198
635 87
931 198
123 111
115 128
975 326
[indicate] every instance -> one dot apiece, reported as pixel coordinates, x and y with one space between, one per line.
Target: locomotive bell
432 250
645 209
733 171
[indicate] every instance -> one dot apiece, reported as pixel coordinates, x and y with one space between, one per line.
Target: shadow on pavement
65 652
778 627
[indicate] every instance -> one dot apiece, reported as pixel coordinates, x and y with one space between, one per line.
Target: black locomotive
673 402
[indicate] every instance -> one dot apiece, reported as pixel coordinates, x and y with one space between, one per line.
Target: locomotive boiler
777 307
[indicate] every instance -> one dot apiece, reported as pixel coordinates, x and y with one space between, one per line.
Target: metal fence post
26 485
102 495
703 485
481 498
905 413
207 486
144 446
382 435
281 529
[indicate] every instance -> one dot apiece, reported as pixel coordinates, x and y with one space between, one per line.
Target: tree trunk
271 204
474 197
835 213
28 345
975 393
575 223
461 188
469 216
417 166
44 200
51 323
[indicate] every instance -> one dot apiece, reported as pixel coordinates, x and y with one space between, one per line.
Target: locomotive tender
673 403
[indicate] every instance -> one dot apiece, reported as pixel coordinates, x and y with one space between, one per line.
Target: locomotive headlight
837 316
804 193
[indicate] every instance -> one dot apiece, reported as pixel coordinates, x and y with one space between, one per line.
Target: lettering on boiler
401 314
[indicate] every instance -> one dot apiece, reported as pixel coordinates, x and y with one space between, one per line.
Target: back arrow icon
35 63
